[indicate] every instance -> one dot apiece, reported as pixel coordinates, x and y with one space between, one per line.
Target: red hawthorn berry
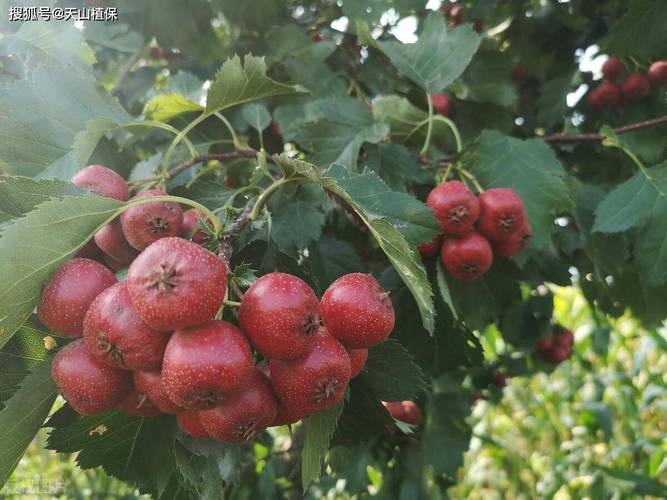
608 94
89 251
316 36
102 181
456 14
116 335
430 248
111 240
513 245
405 411
190 228
175 283
190 423
564 338
287 415
245 415
113 264
144 224
557 355
89 386
275 129
478 25
357 311
612 69
137 404
446 8
67 296
280 314
441 103
635 86
467 258
545 344
594 99
501 213
150 383
315 381
206 363
657 73
358 359
499 378
455 206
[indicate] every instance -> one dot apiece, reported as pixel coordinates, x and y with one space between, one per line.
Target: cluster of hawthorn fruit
475 228
556 347
152 344
634 87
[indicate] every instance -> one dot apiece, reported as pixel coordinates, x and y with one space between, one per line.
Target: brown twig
234 155
597 137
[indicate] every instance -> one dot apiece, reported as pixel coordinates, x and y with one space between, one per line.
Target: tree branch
597 137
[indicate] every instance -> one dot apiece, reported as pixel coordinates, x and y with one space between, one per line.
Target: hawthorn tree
307 137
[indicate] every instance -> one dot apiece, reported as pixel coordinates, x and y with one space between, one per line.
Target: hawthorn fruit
441 103
467 258
606 94
513 245
280 314
612 69
137 404
240 418
430 248
116 335
206 363
357 311
657 73
68 294
190 228
102 181
175 283
145 224
190 423
315 381
405 411
636 86
150 383
111 240
88 385
499 378
501 214
455 206
358 358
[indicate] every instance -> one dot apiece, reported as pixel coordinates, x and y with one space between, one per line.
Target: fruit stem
235 139
163 126
429 127
262 199
232 303
471 178
453 128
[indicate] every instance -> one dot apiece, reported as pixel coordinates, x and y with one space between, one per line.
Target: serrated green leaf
23 415
32 248
532 170
395 165
19 195
167 107
640 202
438 57
24 350
641 31
43 114
237 83
551 103
634 483
257 116
136 450
212 194
488 78
296 224
116 36
391 373
319 430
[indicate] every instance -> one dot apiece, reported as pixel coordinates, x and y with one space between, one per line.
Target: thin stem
429 129
179 137
453 128
163 126
262 199
224 120
597 137
447 172
471 178
232 303
234 155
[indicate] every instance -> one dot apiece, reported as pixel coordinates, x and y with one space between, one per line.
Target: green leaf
633 483
166 107
43 115
319 430
23 415
640 201
343 126
212 194
20 195
116 36
446 434
237 83
24 350
395 165
53 43
34 247
391 373
532 170
438 57
136 450
488 78
402 256
551 103
296 224
641 31
257 116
